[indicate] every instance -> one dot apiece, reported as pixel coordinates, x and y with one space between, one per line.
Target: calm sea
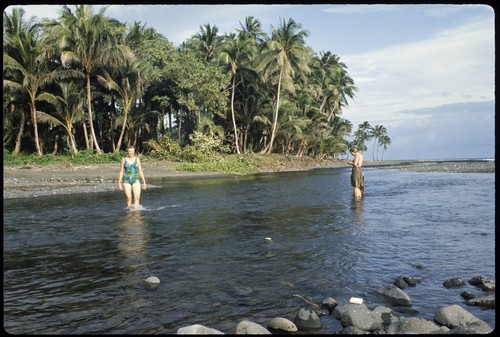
75 264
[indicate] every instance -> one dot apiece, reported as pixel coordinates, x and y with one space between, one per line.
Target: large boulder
250 328
395 295
307 319
282 324
198 329
454 316
359 316
413 325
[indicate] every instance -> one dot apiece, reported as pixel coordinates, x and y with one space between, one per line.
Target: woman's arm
120 175
141 173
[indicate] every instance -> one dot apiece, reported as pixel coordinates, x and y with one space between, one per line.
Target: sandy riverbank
34 181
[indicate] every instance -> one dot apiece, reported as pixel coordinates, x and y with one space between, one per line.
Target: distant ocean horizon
438 160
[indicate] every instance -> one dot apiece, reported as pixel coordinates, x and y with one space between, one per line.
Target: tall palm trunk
85 134
20 133
91 123
275 120
35 126
73 142
122 132
236 141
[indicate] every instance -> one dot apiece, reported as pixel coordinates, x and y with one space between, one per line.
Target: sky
425 72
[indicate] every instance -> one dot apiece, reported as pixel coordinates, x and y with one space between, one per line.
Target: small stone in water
152 282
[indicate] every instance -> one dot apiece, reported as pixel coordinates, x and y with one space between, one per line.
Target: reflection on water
357 207
132 239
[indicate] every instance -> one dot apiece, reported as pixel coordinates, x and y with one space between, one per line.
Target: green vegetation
243 164
84 86
81 158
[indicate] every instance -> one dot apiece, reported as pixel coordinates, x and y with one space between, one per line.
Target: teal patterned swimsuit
131 172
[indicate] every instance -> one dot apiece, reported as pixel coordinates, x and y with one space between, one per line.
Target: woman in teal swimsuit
130 178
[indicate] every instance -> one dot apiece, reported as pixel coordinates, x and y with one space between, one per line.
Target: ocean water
244 248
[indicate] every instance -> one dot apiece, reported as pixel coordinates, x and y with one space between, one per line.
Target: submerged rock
151 282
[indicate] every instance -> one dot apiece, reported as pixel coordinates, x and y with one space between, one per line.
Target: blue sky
425 72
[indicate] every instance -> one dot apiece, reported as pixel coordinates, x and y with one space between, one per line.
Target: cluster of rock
357 318
15 188
479 166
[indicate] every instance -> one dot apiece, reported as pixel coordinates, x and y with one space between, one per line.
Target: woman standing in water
129 179
357 177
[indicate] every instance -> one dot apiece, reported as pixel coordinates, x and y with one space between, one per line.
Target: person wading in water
130 178
357 177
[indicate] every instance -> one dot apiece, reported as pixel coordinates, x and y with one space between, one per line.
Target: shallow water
74 264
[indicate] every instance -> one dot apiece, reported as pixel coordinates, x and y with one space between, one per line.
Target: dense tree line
85 81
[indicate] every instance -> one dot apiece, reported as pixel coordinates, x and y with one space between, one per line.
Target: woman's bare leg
137 194
128 194
357 193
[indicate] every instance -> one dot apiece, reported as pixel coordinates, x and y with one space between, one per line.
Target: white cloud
451 66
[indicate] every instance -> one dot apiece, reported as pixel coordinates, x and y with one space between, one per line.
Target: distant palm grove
87 82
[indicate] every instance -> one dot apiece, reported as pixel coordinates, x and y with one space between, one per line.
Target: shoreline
32 181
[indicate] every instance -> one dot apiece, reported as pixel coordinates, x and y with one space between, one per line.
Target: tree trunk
179 124
72 142
85 134
236 141
122 132
35 127
54 152
19 136
91 123
170 121
275 121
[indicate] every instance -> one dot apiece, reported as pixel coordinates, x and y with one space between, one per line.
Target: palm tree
284 54
127 83
68 108
384 140
377 132
235 54
24 70
362 135
90 41
252 96
251 31
207 42
335 83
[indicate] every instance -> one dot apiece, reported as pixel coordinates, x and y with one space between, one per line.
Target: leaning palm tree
334 83
284 54
68 108
89 41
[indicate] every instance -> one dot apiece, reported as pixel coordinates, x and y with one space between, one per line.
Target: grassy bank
230 163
